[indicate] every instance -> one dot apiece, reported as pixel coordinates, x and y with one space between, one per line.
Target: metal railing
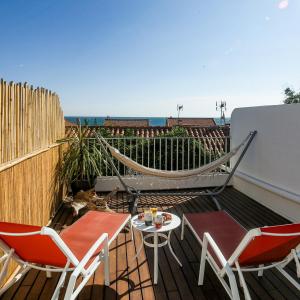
166 153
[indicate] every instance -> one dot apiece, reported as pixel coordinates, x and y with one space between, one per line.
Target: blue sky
143 57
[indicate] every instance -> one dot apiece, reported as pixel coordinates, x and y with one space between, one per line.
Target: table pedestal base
155 245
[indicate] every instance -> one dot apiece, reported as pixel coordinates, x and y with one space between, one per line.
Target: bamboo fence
31 123
30 119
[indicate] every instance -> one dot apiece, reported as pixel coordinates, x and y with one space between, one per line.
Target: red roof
126 122
154 131
203 122
213 137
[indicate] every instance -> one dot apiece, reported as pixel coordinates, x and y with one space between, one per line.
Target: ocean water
154 121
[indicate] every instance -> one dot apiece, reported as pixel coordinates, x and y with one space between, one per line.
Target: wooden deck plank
121 260
133 279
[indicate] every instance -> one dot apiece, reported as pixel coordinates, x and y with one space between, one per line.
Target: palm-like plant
81 161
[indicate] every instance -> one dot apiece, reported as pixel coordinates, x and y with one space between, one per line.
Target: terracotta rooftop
213 137
126 122
203 122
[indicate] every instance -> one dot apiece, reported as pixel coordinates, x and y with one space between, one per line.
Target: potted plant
81 162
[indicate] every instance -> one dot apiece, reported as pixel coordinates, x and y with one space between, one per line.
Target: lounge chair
80 248
228 247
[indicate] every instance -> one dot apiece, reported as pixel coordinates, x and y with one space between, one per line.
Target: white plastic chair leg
232 282
18 276
261 272
61 282
202 261
5 259
106 265
59 286
48 273
70 287
182 228
243 282
131 232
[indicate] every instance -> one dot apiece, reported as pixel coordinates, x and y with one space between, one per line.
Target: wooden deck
133 279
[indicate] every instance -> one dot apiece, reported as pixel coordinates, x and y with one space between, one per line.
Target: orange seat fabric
39 249
81 235
267 249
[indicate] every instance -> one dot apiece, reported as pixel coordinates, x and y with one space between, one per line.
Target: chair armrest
207 239
81 266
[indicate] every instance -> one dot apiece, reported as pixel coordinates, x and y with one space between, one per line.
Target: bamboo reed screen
31 119
31 123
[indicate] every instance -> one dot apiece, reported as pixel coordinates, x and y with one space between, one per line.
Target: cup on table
158 221
148 217
154 211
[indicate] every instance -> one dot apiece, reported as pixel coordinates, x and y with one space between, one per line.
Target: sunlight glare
283 4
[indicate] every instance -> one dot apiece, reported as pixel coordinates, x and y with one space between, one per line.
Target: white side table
155 233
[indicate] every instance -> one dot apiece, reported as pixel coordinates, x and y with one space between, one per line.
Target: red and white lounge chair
80 248
228 247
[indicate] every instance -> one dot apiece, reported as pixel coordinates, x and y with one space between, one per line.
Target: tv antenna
179 109
222 108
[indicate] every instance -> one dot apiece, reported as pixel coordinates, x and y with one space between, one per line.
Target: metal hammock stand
136 194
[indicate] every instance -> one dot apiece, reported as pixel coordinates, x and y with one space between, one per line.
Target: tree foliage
291 96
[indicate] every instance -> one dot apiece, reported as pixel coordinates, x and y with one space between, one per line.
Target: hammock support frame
135 194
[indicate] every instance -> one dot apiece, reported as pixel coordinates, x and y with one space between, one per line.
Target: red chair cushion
79 237
82 234
226 231
39 249
267 249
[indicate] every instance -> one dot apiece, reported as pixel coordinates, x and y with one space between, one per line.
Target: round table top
141 226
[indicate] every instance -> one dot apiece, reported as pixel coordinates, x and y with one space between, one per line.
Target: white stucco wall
270 172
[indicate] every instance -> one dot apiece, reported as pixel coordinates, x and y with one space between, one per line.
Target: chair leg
106 265
261 272
243 282
202 261
232 282
59 285
5 259
16 278
131 232
294 282
182 228
70 287
48 273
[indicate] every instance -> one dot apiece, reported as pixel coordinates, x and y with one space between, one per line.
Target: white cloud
283 4
267 18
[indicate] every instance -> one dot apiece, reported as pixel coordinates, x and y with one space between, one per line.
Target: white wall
270 171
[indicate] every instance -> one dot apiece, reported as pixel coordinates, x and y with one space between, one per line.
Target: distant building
126 122
201 122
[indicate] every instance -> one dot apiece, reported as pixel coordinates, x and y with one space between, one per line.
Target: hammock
128 162
135 194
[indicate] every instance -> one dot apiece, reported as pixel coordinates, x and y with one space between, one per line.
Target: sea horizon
154 121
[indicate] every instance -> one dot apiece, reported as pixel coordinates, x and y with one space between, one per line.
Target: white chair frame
232 265
78 269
